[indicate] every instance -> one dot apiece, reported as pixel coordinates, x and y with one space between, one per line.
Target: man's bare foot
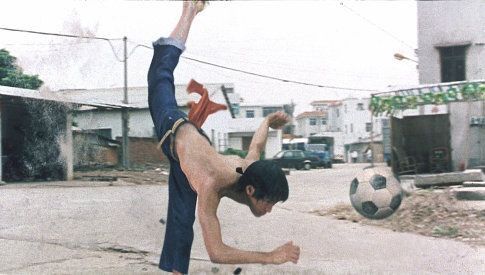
194 6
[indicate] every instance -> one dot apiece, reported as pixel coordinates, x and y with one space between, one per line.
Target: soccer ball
375 193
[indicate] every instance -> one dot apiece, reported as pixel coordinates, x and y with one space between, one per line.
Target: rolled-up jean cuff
169 41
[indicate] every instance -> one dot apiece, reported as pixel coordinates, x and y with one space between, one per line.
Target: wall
450 23
354 121
34 140
89 151
273 143
140 122
468 142
143 151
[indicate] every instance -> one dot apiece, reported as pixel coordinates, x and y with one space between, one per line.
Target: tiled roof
312 114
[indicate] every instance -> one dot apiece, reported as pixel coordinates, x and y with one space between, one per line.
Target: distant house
348 122
142 138
311 123
224 131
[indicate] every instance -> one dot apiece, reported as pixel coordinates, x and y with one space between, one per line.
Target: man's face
260 207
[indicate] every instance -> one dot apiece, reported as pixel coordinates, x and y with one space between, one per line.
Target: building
226 129
438 124
249 118
311 123
451 41
349 122
36 134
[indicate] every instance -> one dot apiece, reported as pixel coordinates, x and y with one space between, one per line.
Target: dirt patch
434 213
148 174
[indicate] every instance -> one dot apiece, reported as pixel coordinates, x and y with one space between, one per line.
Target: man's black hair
268 180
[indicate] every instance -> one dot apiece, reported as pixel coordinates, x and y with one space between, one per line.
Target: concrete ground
92 228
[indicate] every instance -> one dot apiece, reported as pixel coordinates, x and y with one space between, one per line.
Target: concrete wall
448 23
140 122
273 143
467 142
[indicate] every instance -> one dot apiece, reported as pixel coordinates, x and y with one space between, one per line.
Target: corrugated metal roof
137 96
53 96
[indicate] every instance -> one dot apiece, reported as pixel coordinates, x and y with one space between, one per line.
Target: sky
348 44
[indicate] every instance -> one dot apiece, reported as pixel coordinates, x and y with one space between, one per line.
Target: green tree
11 75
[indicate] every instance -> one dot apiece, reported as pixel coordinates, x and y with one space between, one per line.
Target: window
360 106
288 154
345 108
103 132
351 127
235 108
279 154
368 127
453 63
338 112
313 121
249 113
324 121
269 110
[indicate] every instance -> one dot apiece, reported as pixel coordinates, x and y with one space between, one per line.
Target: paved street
116 229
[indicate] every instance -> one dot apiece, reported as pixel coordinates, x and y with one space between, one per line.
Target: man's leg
163 108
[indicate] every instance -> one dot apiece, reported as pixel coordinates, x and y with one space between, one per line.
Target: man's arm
275 121
222 253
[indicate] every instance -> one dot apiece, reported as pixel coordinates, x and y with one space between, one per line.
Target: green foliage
448 231
240 153
11 75
410 99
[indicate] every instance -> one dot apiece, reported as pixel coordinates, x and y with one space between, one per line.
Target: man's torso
200 162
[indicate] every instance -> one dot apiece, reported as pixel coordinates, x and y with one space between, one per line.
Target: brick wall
143 151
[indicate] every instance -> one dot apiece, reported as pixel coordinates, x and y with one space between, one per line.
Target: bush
240 153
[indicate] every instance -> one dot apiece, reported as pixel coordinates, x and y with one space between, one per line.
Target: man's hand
277 120
286 253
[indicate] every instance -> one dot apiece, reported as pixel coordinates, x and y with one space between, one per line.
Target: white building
223 130
451 41
451 47
311 123
254 111
348 121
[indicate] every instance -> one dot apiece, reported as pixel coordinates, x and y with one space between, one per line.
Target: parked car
323 158
295 159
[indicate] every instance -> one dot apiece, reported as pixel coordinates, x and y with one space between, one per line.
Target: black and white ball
375 193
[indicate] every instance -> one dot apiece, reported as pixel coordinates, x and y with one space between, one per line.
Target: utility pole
124 112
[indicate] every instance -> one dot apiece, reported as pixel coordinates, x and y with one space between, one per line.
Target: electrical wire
377 26
268 76
192 59
70 36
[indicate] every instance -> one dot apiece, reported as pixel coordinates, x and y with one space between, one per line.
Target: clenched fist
286 253
277 120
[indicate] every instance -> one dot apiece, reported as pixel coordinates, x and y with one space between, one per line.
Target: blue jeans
179 232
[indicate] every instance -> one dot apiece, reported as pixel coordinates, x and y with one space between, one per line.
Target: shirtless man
198 172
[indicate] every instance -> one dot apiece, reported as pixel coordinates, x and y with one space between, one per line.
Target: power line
192 59
59 34
268 76
377 26
70 36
